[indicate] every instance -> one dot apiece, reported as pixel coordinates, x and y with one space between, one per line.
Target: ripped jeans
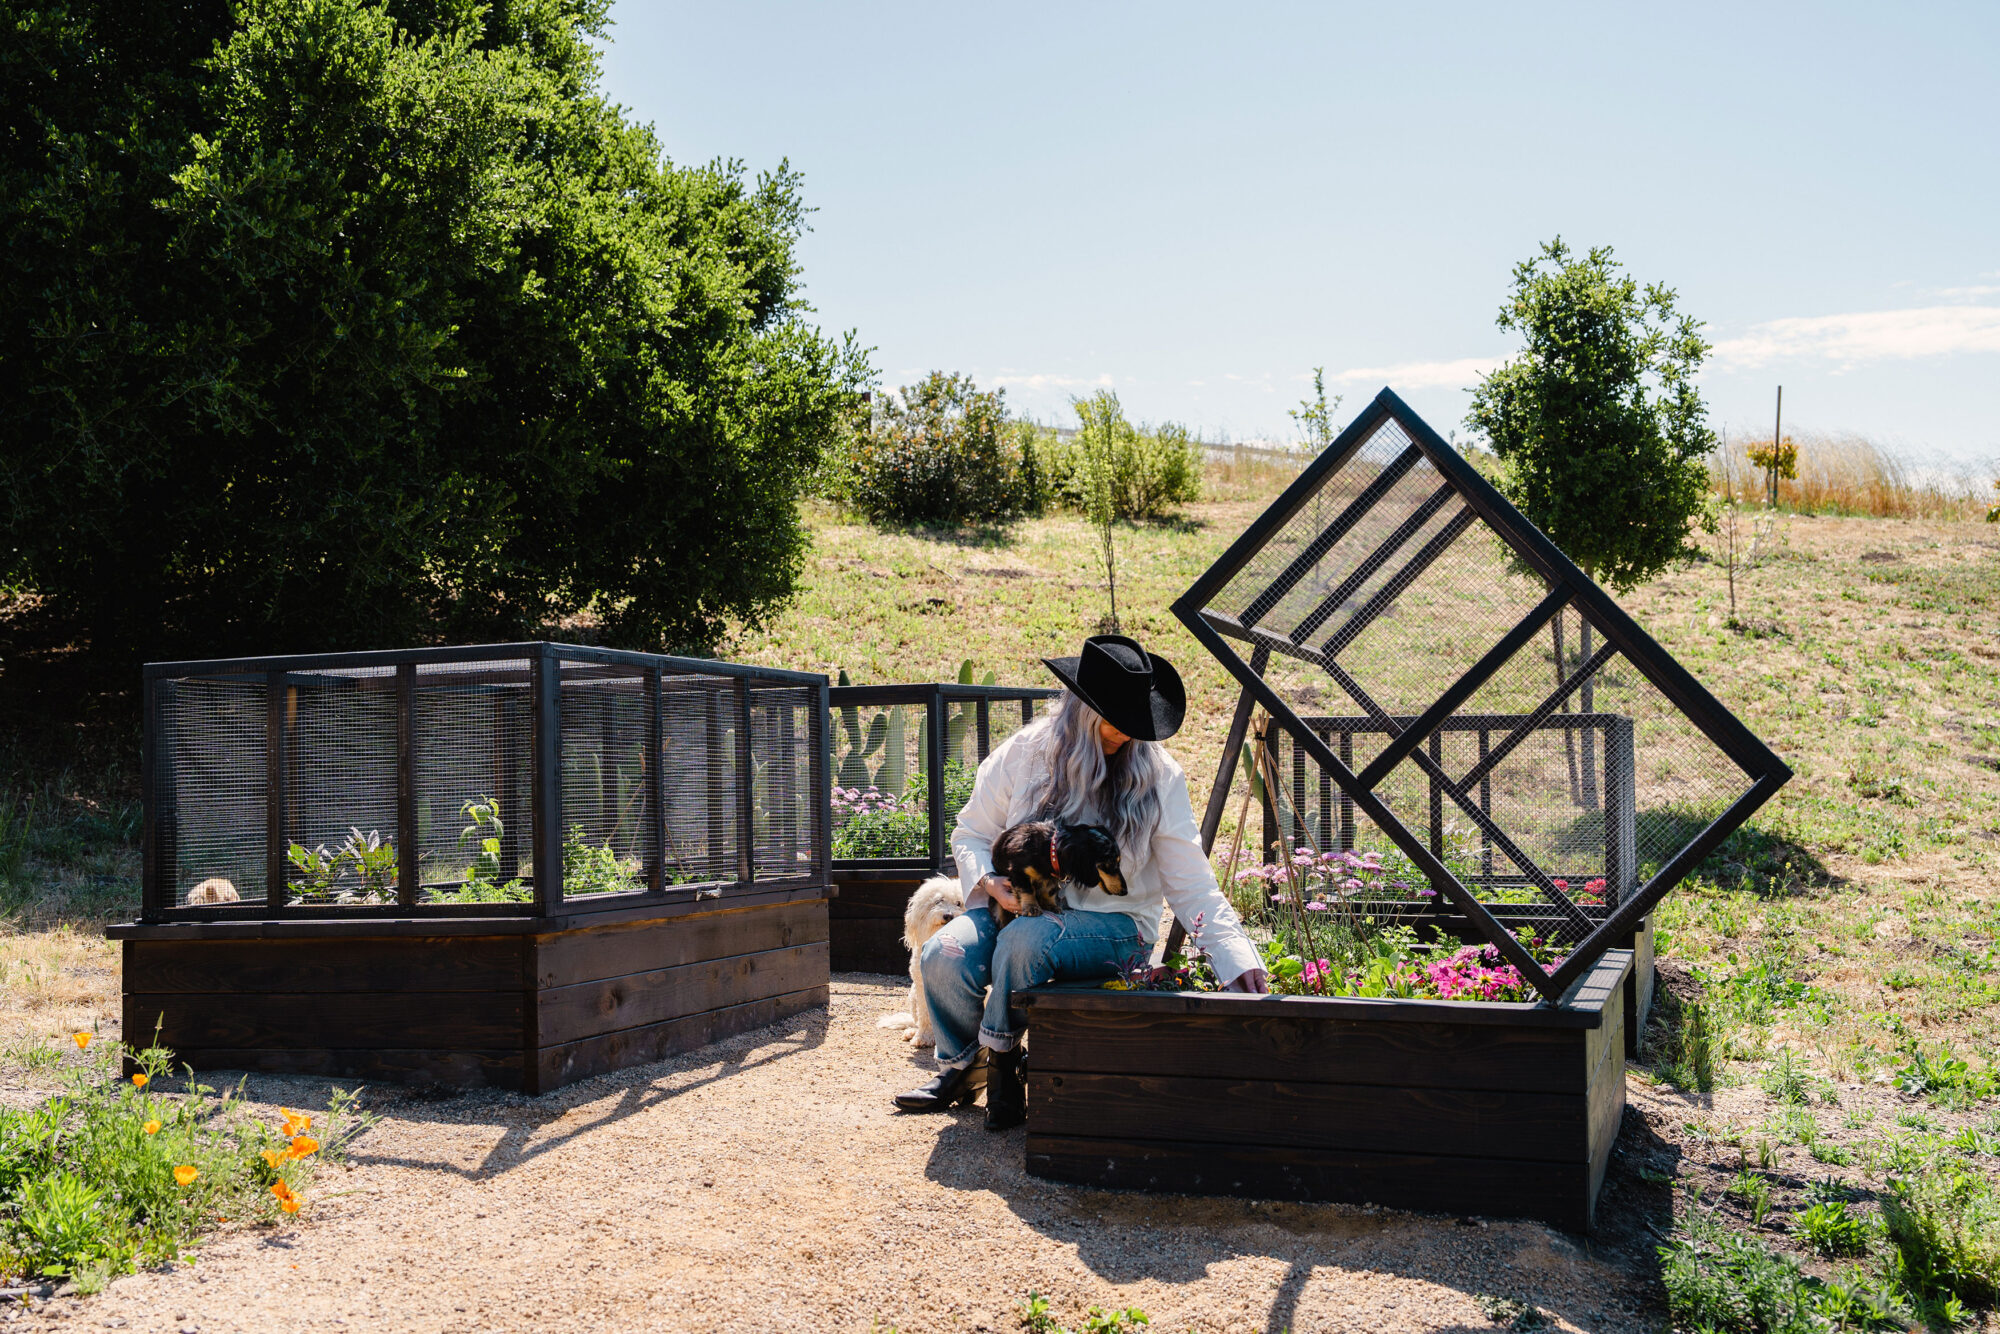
969 955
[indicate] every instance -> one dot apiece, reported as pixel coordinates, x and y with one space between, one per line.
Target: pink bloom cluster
1591 893
1318 975
1475 972
1346 874
855 801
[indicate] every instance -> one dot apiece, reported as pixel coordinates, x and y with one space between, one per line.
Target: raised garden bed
514 865
1444 1106
908 753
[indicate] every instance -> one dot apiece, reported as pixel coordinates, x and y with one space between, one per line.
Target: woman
1095 759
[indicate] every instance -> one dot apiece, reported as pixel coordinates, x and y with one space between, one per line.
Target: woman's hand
1001 890
1254 980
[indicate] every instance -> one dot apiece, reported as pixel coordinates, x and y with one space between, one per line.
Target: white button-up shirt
1168 867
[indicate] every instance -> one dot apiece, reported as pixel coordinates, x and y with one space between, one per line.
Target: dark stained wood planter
866 920
1506 1110
523 1004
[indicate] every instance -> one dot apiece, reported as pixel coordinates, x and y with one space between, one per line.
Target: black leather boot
1006 1093
949 1089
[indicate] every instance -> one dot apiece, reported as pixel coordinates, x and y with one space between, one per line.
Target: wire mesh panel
1459 710
785 739
340 739
472 746
608 830
502 780
699 717
210 783
881 789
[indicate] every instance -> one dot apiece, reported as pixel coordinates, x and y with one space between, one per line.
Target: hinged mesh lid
1480 705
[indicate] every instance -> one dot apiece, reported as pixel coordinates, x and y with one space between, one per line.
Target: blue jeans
969 955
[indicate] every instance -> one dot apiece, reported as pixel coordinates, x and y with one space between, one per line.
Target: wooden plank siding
528 1012
867 922
1515 1107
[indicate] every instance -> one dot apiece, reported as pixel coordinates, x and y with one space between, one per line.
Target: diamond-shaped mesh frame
1474 697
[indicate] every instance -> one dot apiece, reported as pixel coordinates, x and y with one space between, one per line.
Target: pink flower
1315 906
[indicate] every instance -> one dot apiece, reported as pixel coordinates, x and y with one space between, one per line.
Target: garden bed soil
1459 1106
525 1004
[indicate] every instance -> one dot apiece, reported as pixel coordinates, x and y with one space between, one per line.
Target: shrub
939 452
1691 1048
1153 470
1945 1225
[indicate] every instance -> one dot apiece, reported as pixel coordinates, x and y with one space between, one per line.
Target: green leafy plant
1828 1228
1945 1079
940 451
595 868
1691 1052
373 861
1945 1225
109 1174
1037 1317
482 837
1754 1192
1510 1312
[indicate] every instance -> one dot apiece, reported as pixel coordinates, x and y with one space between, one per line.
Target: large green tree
329 323
1597 422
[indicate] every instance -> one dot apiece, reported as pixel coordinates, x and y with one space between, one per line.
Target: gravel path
765 1184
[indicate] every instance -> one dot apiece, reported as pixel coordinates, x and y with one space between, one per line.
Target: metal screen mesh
340 739
785 724
210 774
472 742
607 805
1418 635
880 790
698 773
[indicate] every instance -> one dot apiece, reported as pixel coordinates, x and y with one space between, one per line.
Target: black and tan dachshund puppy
1041 856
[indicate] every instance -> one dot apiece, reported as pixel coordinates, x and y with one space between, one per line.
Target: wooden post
934 765
153 876
1777 439
746 788
656 744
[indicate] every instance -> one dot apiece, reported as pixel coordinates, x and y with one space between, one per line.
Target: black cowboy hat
1135 692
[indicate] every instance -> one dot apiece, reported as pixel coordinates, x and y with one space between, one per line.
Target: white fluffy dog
937 901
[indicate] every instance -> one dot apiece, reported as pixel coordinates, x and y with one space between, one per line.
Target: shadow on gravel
640 1089
1606 1280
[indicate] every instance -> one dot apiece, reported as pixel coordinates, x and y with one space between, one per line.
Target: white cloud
1016 381
1878 335
1422 374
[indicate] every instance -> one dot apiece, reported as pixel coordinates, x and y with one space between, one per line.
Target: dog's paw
900 1020
922 1039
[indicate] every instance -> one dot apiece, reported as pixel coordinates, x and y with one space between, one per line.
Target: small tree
1598 426
939 451
1101 420
1779 459
1598 422
1315 415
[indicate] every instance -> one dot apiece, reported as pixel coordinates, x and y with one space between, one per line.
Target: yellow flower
138 1081
186 1174
1117 984
272 1157
82 1040
152 1127
303 1145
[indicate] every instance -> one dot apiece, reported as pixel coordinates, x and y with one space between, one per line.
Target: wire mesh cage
1460 717
509 780
900 775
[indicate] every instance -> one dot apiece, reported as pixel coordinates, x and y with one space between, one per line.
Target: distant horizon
1195 209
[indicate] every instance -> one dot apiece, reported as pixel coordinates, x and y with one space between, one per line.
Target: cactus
892 774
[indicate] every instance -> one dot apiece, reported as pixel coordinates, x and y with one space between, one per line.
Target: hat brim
1155 719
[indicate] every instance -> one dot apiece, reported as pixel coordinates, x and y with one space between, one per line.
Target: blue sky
1195 205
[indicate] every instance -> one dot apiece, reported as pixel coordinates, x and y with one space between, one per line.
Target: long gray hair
1085 786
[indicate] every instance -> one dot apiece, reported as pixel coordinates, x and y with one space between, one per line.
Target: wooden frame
1443 1106
523 995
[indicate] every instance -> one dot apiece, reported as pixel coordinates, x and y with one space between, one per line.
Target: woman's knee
1022 950
949 956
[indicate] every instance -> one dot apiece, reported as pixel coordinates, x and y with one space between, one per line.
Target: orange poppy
186 1174
272 1157
82 1040
302 1145
296 1123
152 1127
138 1081
288 1199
